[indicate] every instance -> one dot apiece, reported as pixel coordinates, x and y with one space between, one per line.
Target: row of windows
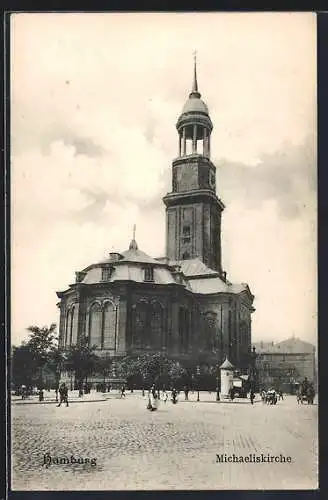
106 273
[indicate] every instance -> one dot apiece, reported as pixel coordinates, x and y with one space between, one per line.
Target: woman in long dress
153 401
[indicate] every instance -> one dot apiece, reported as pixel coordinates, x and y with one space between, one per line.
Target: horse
306 396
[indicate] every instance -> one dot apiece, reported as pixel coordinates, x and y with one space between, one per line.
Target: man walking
63 394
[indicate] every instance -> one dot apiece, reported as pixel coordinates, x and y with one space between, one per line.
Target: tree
55 362
151 368
104 364
81 359
31 357
23 366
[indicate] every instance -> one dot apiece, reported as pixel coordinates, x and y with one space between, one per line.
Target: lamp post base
197 395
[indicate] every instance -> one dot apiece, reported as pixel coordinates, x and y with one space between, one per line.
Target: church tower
193 210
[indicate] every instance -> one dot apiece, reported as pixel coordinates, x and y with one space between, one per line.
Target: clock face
212 180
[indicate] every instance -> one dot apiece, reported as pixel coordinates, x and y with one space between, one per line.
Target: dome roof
195 105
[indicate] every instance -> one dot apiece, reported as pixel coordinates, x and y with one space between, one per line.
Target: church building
181 305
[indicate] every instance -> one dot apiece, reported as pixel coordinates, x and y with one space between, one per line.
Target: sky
94 103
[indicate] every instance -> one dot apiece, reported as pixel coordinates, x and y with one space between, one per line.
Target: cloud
287 177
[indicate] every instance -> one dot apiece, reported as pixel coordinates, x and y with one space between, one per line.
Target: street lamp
198 373
218 350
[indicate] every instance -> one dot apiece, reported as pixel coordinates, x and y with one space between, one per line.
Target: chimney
115 256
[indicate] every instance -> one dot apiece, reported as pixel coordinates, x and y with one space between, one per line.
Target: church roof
215 285
136 255
204 280
194 267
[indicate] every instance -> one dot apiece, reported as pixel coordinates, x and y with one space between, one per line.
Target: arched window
109 326
71 326
95 325
67 329
156 325
183 329
140 325
211 331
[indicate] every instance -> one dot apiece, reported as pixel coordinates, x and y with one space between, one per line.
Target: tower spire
194 91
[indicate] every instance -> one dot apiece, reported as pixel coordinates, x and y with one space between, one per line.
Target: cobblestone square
173 448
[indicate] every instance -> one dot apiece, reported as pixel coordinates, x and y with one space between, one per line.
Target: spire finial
195 85
133 244
194 91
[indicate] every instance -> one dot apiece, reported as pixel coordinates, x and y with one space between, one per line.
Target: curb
56 402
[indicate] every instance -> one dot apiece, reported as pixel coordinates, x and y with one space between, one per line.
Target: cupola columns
189 138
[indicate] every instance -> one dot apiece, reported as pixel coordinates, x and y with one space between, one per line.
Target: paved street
173 448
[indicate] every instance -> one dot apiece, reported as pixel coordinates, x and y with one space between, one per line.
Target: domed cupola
194 124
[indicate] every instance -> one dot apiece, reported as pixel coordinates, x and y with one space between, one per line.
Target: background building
183 304
286 363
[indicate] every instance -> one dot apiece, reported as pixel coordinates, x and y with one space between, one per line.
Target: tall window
109 326
211 331
186 234
184 329
67 329
71 327
139 326
156 325
149 273
95 315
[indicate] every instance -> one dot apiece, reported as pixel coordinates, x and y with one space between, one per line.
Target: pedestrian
252 396
41 395
165 396
63 395
123 391
153 400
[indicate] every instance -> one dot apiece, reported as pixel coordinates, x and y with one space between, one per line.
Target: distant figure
280 395
252 396
56 394
41 395
217 394
232 393
24 391
174 396
165 396
153 399
123 391
80 391
63 394
186 391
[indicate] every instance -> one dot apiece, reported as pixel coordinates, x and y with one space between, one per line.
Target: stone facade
182 304
285 363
